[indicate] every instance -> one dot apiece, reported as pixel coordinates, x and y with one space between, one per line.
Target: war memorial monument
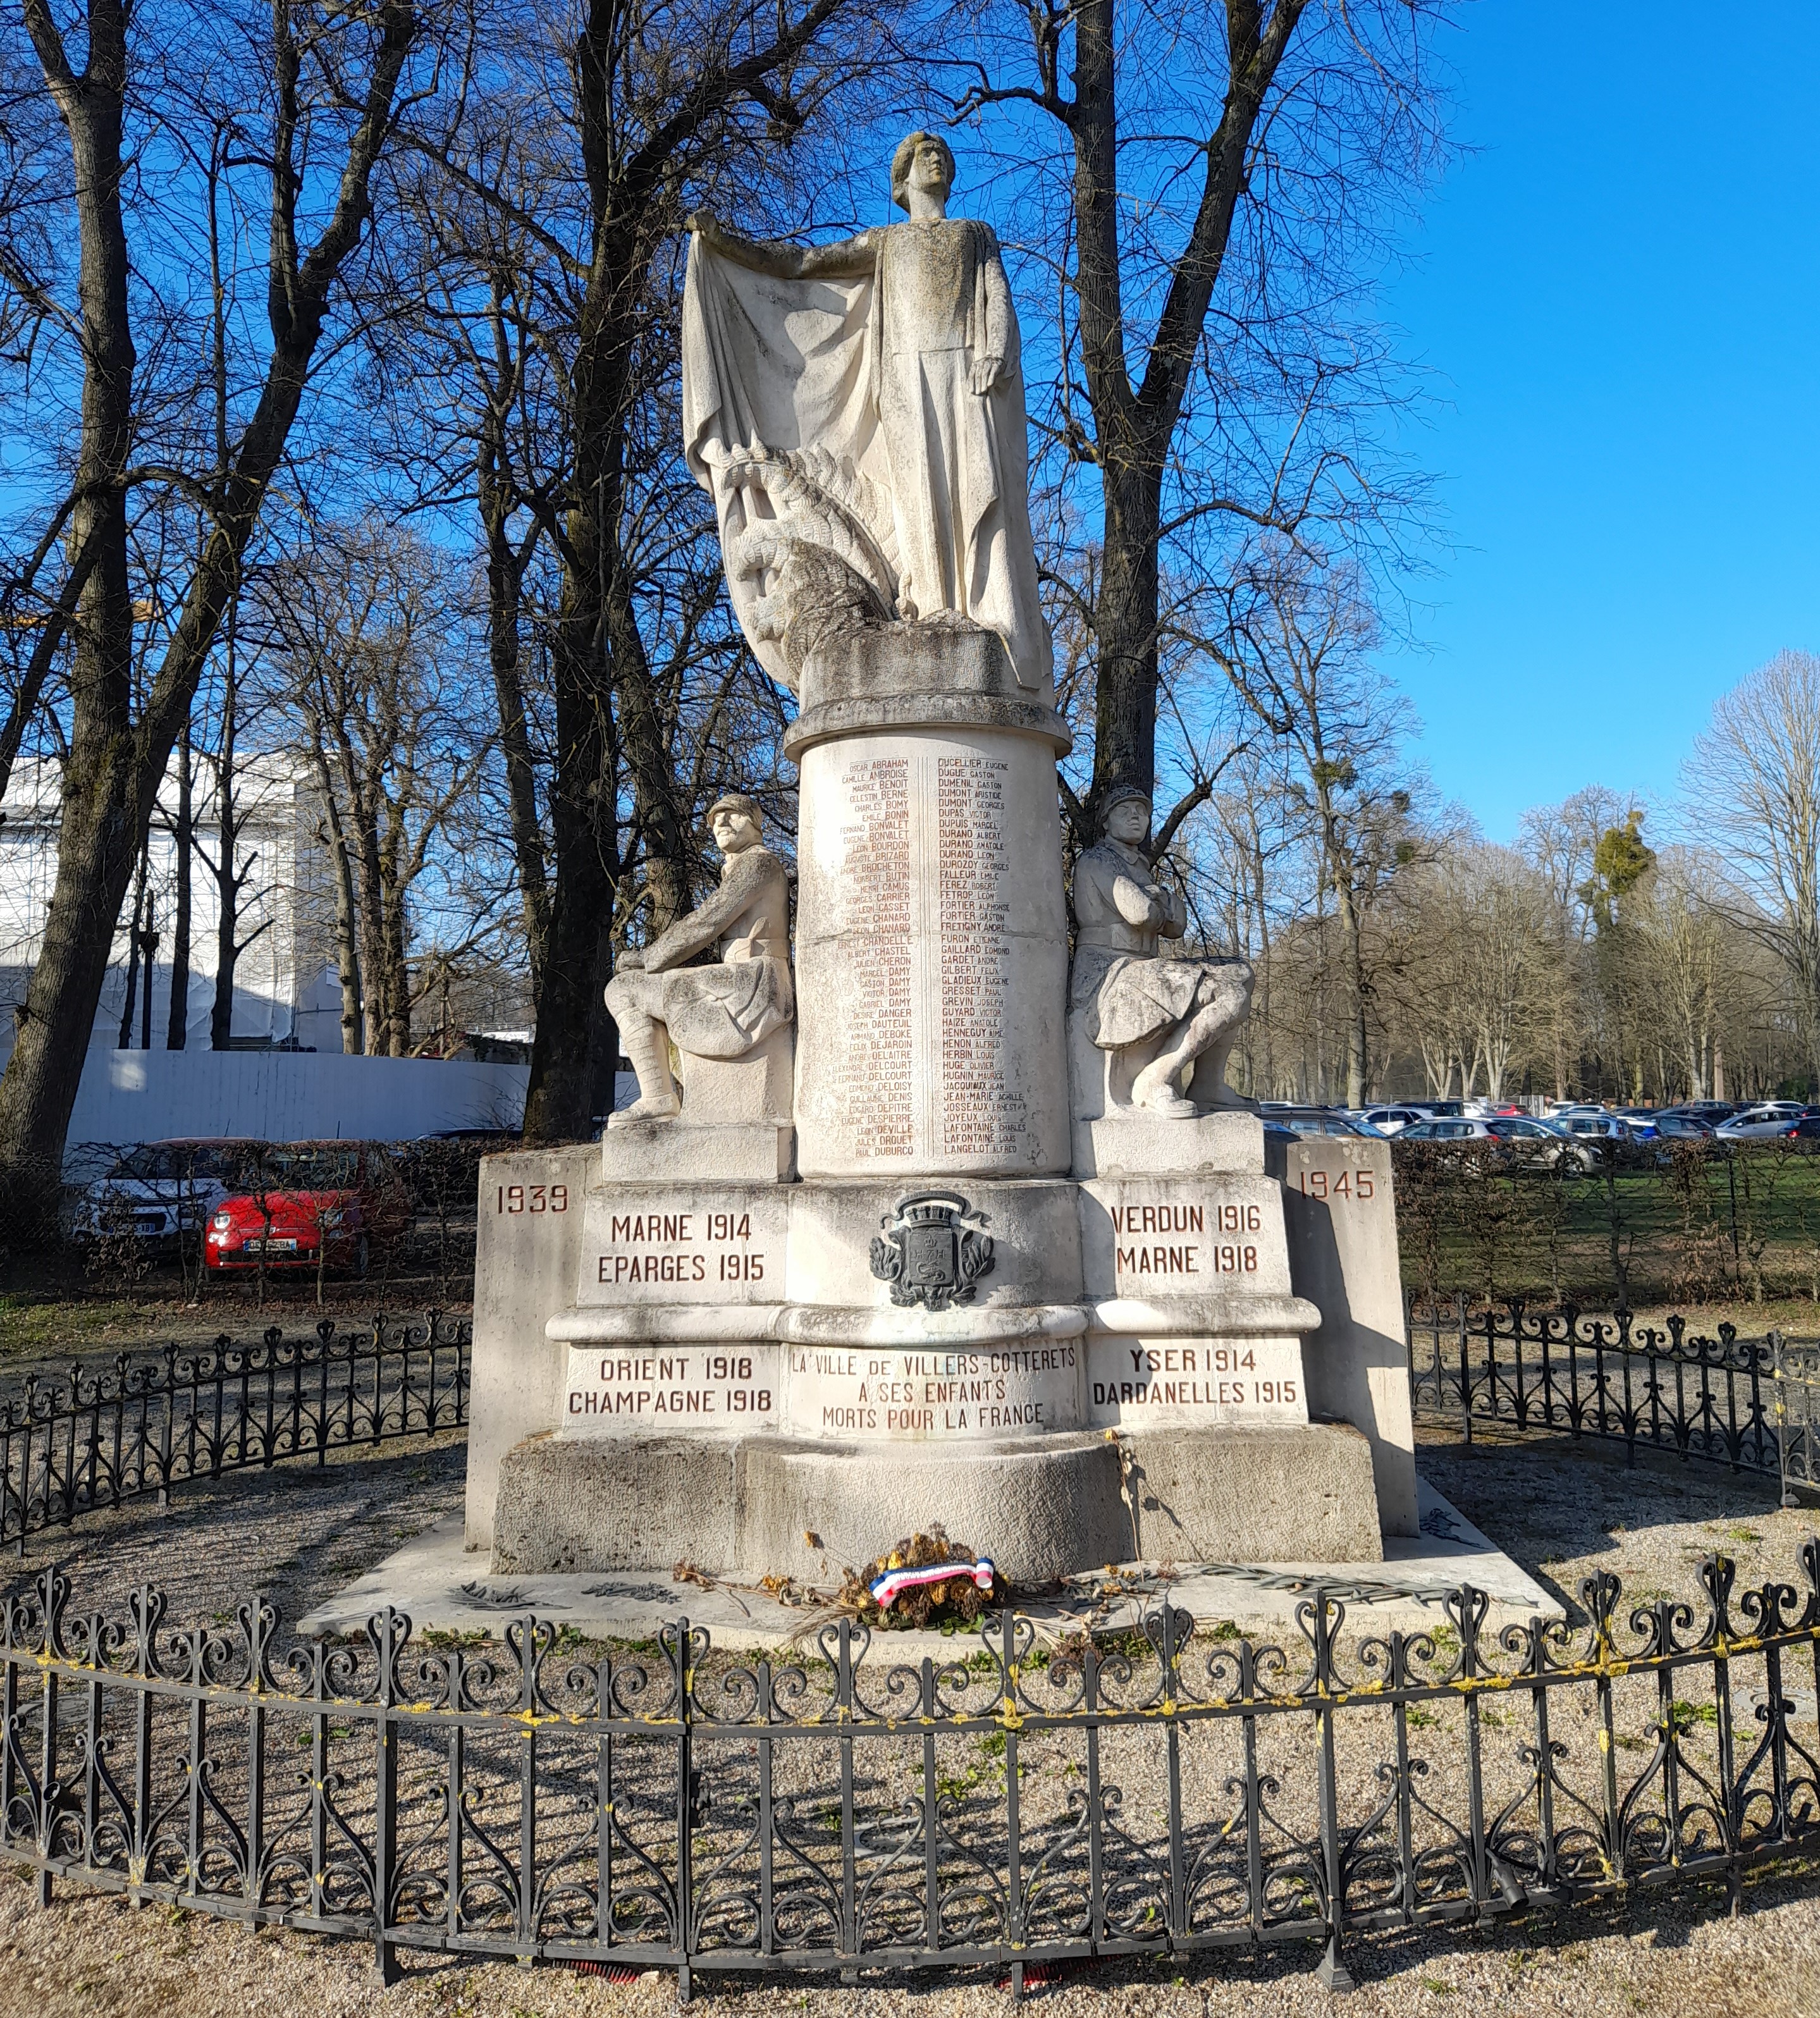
934 1216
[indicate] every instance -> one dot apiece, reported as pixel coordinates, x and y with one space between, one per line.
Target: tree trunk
130 1001
177 1021
227 879
346 921
1135 425
505 591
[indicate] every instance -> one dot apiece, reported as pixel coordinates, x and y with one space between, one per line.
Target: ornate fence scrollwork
1178 1790
1753 1404
109 1434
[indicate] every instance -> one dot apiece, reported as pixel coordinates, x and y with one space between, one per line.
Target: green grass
1725 1236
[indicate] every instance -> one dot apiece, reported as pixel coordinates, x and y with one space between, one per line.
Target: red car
310 1204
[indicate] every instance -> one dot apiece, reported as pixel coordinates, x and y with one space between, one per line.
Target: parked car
1711 1111
1451 1128
1535 1143
1390 1120
157 1191
1595 1126
1683 1128
1642 1122
1762 1122
1284 1114
1805 1130
310 1204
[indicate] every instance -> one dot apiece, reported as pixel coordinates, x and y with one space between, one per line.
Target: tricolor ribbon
887 1589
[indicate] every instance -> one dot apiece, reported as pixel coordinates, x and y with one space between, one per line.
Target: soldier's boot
648 1046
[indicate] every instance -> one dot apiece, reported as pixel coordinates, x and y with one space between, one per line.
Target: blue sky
1618 295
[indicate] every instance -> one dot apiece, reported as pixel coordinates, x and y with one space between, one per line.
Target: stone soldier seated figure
733 1023
1138 1021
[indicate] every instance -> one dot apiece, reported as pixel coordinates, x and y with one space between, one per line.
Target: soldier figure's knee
626 995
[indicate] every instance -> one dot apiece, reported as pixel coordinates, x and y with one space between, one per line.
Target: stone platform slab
1042 1506
440 1586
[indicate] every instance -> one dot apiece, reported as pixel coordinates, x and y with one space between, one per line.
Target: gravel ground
92 1955
295 1533
1564 1512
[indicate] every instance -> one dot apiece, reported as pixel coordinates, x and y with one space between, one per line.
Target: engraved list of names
874 888
979 1114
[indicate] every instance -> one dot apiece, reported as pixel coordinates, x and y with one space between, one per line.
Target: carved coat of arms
934 1253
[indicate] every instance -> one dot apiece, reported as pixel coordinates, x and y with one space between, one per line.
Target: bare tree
318 79
1213 205
1754 780
594 166
371 666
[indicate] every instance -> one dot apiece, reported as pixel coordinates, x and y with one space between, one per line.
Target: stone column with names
931 959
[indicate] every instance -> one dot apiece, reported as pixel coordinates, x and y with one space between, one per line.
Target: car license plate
273 1246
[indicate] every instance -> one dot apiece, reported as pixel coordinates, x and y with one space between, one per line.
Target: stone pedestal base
1255 1495
674 1151
755 1088
1041 1507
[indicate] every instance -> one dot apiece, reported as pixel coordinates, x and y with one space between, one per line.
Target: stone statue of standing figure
856 410
1139 1022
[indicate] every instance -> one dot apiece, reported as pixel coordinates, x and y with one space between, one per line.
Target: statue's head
923 161
1127 814
734 820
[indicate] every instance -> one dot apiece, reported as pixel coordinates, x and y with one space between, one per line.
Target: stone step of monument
441 1587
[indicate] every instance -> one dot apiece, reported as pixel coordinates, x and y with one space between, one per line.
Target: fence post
385 1794
1331 1970
1465 1365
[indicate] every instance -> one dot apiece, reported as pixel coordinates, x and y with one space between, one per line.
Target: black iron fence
106 1434
839 1811
1750 1403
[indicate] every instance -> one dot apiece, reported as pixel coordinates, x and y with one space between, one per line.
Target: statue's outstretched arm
845 260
